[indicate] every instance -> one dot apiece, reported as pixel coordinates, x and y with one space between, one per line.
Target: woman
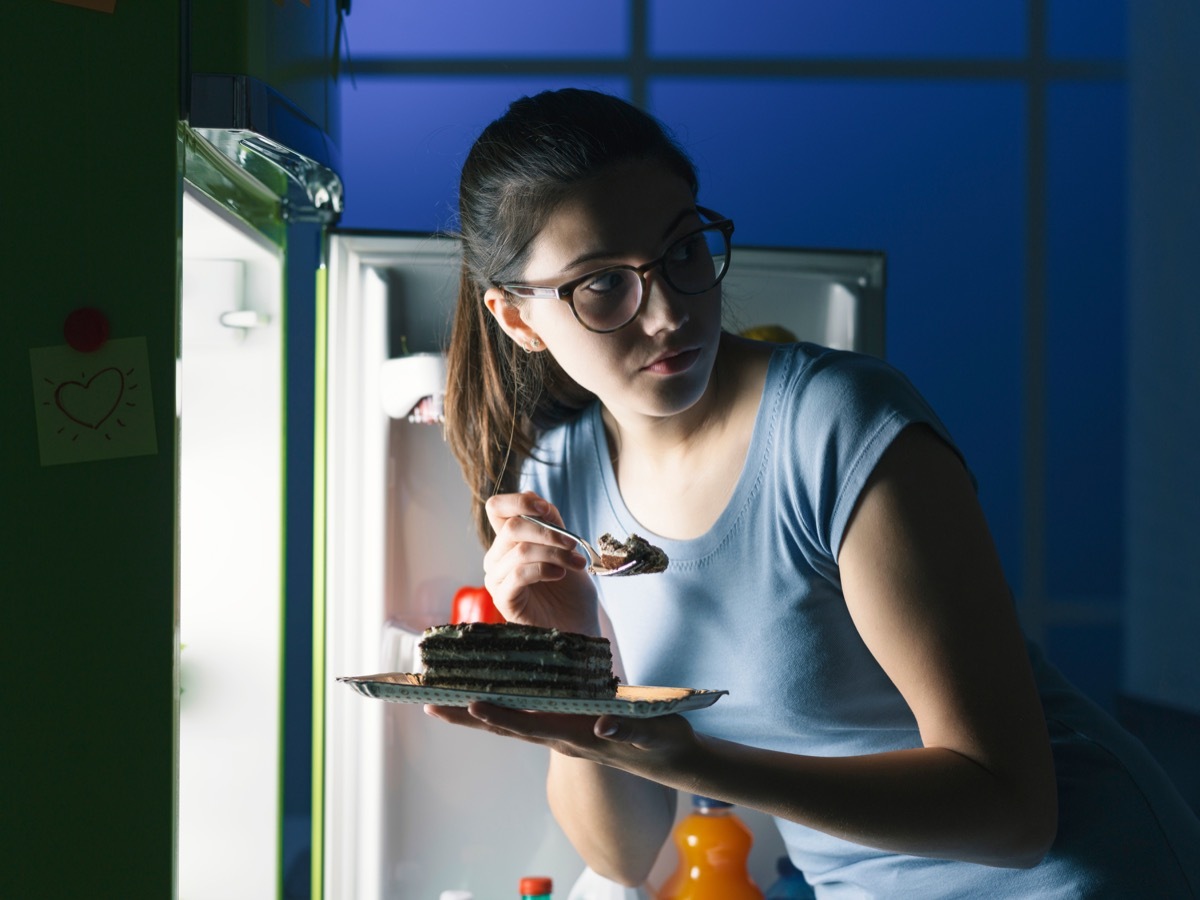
830 564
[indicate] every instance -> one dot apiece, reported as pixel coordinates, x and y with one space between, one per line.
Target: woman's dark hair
523 165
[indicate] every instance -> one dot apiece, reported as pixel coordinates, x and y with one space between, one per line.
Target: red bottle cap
535 886
474 604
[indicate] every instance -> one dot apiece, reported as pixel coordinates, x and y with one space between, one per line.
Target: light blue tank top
755 607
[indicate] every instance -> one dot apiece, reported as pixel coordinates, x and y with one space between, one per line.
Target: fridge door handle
245 318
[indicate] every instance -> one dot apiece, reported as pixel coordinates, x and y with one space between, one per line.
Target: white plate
631 700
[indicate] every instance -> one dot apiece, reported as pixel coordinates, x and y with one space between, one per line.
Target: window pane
931 173
489 29
404 141
1085 358
847 28
1087 29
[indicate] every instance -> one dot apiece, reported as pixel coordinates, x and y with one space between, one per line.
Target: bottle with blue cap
791 884
714 848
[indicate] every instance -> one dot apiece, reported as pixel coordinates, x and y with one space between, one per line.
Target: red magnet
86 329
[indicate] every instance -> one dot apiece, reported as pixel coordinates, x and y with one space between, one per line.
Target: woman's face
661 362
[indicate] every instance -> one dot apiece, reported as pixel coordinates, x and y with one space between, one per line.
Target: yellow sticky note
93 406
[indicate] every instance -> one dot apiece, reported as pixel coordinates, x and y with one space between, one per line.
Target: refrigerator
403 807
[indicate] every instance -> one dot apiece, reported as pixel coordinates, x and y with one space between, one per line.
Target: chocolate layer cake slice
517 659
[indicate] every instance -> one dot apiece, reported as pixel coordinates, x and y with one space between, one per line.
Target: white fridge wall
231 481
830 297
414 806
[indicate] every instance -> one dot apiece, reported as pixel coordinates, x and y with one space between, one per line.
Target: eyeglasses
611 298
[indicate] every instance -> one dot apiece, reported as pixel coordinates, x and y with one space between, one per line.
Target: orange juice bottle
714 845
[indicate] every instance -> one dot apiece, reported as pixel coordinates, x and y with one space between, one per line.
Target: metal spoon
596 566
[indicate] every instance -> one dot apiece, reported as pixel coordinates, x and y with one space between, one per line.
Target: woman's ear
509 317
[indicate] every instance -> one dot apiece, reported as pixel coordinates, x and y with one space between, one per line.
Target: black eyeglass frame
565 291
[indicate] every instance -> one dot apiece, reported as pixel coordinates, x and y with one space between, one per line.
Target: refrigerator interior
829 297
413 806
231 544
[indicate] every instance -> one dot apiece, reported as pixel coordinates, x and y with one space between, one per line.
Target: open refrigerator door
230 499
257 140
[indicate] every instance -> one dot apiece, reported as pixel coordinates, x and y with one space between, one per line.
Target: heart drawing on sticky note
91 403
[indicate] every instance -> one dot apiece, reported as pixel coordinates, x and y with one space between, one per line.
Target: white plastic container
592 886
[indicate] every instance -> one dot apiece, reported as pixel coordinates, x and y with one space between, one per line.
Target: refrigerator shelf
632 700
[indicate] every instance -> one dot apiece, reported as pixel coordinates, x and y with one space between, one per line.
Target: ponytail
498 397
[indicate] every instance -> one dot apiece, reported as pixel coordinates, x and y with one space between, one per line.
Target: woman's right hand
537 577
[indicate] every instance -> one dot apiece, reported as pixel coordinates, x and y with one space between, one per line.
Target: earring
532 345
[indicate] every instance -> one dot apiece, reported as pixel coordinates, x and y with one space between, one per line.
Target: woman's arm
925 588
617 821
